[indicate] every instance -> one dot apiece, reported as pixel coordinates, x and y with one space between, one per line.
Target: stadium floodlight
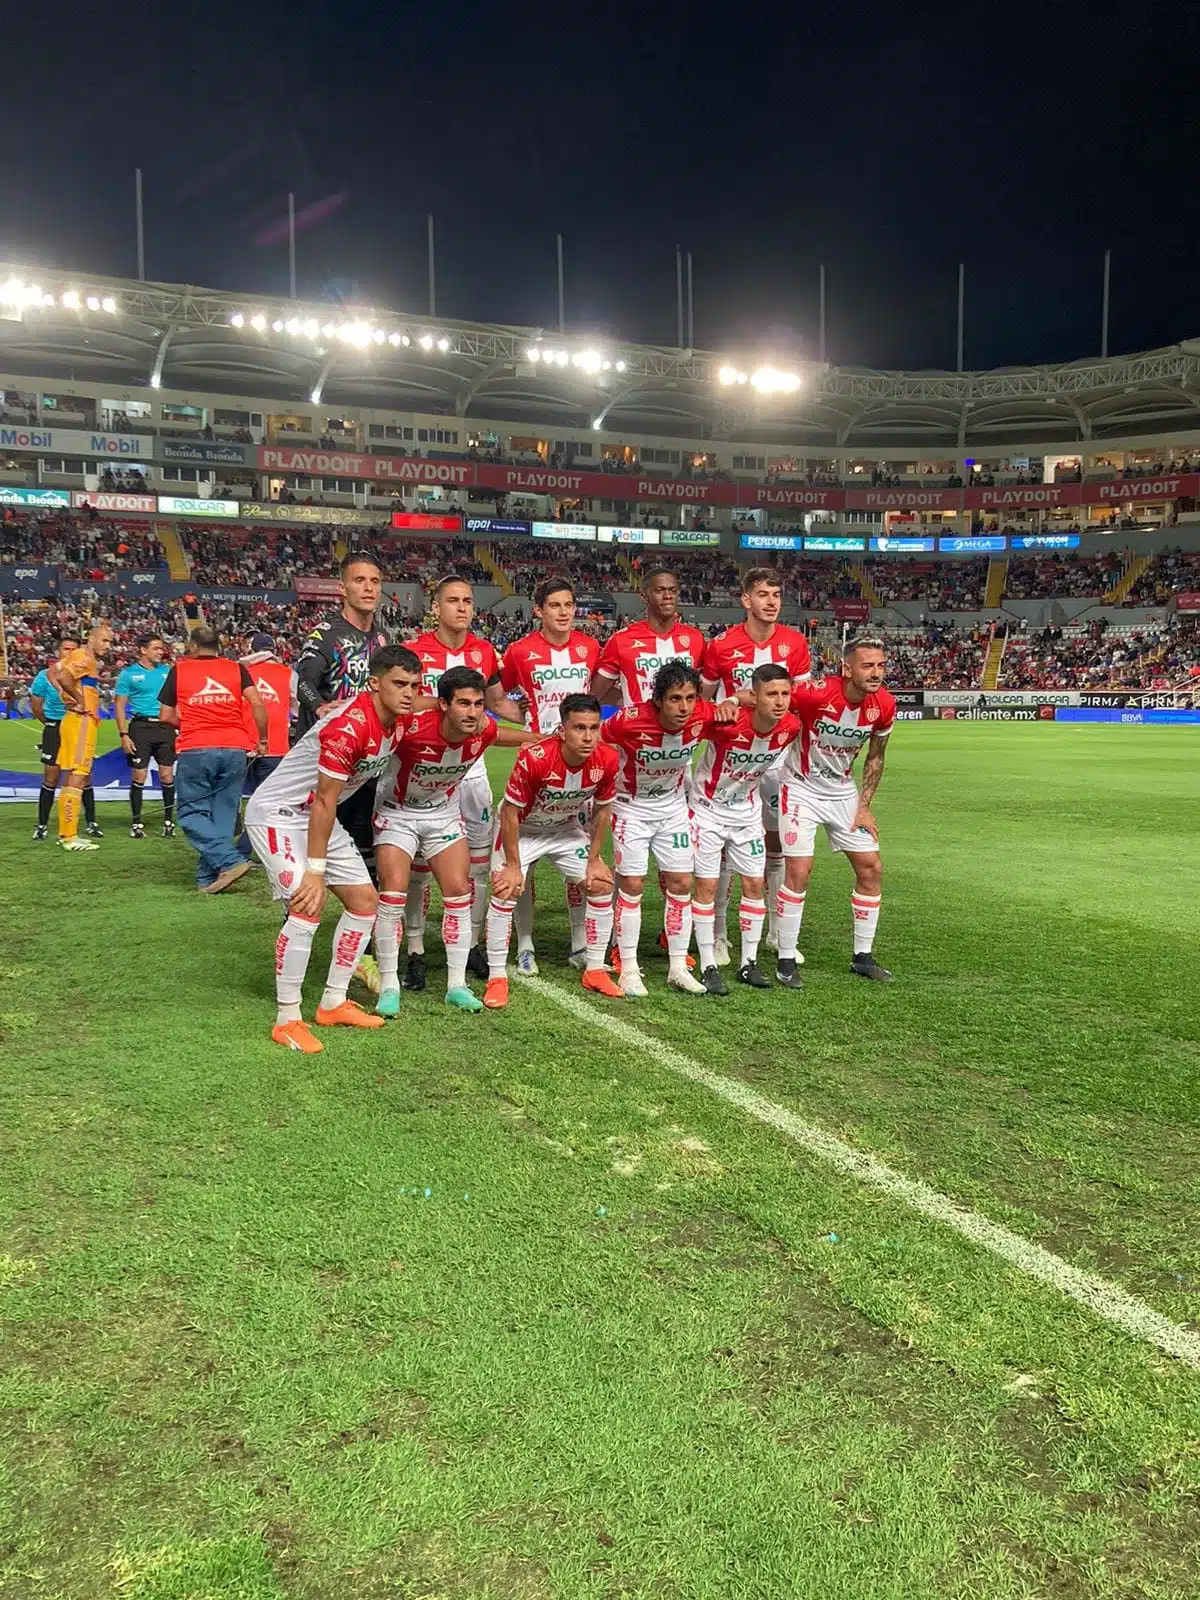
561 358
93 303
277 326
607 365
533 353
597 422
315 397
769 380
109 304
259 323
620 366
328 331
293 325
378 335
443 345
587 360
70 301
237 320
426 341
156 380
394 339
356 333
311 329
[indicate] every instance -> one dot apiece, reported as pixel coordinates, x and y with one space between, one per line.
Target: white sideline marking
1124 1311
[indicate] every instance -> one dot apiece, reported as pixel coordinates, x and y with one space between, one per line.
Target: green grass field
501 1306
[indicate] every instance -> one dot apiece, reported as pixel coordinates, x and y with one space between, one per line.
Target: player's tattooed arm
503 705
872 772
597 878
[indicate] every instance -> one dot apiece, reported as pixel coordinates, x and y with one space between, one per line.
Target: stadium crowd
86 546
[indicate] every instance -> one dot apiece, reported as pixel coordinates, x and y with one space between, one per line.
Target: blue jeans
258 770
208 785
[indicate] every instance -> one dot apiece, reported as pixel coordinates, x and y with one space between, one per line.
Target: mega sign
77 442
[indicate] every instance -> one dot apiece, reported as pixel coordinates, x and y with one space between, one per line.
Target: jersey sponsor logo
550 675
751 758
266 690
210 692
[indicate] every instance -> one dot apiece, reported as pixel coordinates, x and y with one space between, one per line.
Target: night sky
887 143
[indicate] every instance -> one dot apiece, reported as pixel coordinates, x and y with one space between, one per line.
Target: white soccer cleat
721 955
578 960
527 964
632 986
77 844
680 978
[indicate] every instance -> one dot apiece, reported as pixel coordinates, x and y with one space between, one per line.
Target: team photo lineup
716 760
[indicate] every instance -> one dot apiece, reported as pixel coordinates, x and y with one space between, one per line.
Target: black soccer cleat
39 833
168 829
713 981
477 963
137 830
94 831
788 974
414 973
753 975
864 965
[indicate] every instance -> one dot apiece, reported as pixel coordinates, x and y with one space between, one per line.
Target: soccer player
553 782
420 815
729 664
544 667
47 706
276 685
727 817
630 660
144 736
839 718
293 824
450 643
79 687
650 815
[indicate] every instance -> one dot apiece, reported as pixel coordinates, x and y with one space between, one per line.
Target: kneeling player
552 782
727 817
839 718
292 823
418 814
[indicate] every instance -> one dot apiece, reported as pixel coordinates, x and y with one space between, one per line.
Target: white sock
865 909
577 912
479 896
417 909
677 920
349 941
704 921
388 922
750 919
788 915
292 950
522 917
774 884
720 904
628 927
499 931
456 936
597 928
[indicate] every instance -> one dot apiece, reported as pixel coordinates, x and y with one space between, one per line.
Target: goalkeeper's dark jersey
332 665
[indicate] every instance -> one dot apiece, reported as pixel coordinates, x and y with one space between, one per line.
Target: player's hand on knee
506 883
309 899
597 879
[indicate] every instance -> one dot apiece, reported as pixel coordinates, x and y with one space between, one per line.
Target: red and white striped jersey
634 654
834 731
351 744
545 674
551 794
654 763
730 660
436 658
728 773
427 771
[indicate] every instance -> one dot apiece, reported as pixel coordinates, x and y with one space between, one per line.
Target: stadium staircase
869 593
991 661
997 579
178 566
1133 571
485 558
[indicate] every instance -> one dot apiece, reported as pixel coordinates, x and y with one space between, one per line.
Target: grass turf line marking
1105 1299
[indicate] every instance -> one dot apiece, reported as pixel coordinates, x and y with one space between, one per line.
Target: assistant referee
145 737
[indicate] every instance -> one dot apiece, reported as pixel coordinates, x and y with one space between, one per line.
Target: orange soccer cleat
495 996
348 1015
599 982
297 1036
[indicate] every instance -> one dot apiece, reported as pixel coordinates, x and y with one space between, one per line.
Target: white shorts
740 842
803 809
567 848
423 834
638 834
281 844
768 793
475 803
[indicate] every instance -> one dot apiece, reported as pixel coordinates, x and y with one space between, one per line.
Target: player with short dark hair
631 658
145 737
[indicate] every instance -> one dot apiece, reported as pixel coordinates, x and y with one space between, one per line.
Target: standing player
420 814
79 686
630 660
276 685
544 667
450 643
293 824
727 817
729 664
552 784
839 717
144 735
47 706
650 815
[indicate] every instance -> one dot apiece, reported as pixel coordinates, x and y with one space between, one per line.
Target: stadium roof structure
158 335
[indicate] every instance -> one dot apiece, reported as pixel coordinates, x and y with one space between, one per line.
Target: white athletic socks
523 916
677 921
751 915
789 913
388 922
479 895
456 936
721 903
292 950
865 910
349 941
628 928
577 912
774 884
597 928
704 920
417 909
499 931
